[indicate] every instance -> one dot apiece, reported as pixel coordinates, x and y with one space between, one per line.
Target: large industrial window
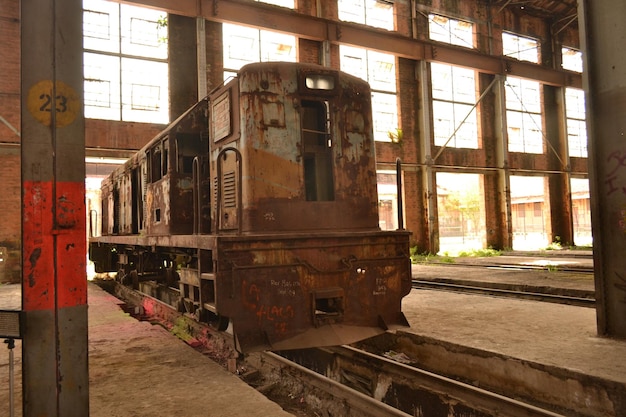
461 212
452 31
519 47
380 71
576 125
581 211
454 114
244 45
125 62
530 212
317 149
571 59
376 13
523 115
387 186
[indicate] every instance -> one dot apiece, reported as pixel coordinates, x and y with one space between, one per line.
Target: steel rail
501 292
356 401
468 394
519 267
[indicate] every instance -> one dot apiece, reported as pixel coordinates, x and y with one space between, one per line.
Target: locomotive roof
265 66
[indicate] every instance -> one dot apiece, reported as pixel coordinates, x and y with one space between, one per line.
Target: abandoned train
258 207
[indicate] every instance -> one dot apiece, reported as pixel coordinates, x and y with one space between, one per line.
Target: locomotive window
166 146
188 147
320 82
318 168
155 167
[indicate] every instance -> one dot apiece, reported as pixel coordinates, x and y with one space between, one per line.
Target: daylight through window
125 62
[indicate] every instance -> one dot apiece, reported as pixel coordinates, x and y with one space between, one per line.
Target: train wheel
134 279
217 321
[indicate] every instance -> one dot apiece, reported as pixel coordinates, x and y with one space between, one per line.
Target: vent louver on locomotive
229 192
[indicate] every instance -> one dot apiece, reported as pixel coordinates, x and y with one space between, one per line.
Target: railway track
374 385
343 380
575 298
548 265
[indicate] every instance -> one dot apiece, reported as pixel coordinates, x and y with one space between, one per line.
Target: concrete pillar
54 284
603 36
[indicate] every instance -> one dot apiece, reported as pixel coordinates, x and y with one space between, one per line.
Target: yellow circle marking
46 98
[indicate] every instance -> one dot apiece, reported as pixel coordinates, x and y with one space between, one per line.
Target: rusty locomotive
258 208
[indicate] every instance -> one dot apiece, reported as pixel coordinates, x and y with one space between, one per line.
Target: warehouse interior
482 101
506 116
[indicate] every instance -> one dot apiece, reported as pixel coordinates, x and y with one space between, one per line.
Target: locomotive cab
303 158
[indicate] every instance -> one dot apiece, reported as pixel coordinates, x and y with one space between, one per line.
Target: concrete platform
549 353
139 369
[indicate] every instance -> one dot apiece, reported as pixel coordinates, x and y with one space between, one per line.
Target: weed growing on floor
480 253
426 258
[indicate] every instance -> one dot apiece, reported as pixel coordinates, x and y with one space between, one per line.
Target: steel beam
428 175
54 286
603 36
281 19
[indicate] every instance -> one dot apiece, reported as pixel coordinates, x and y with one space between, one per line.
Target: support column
428 175
187 69
54 285
603 36
503 181
559 188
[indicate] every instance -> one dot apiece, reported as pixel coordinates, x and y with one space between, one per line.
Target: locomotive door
228 190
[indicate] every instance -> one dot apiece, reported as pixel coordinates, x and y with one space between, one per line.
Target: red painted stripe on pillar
41 236
71 244
38 243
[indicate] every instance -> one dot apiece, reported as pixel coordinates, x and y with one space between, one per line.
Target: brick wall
10 213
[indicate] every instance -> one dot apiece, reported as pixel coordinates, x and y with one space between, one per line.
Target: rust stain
33 258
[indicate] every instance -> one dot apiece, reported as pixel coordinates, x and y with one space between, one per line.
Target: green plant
181 330
480 253
555 245
446 258
162 29
421 258
396 137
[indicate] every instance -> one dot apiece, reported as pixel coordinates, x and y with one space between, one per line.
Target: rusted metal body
260 205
